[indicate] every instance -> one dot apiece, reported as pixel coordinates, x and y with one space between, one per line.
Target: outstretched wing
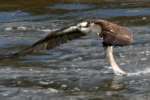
52 40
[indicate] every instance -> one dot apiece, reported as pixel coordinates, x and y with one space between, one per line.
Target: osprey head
89 27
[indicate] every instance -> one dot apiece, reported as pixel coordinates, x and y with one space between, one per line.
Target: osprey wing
53 40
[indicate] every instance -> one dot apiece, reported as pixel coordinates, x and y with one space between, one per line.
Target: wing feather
52 40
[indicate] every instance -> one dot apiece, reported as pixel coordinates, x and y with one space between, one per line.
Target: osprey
111 33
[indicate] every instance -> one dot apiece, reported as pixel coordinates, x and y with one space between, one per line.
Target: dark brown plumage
114 34
52 40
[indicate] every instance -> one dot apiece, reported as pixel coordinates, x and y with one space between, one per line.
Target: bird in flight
111 33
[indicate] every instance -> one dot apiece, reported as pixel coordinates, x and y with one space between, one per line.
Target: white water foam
24 28
141 72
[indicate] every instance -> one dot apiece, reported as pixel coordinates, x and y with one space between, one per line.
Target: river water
77 70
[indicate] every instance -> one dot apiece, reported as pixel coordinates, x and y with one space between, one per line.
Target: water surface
77 70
